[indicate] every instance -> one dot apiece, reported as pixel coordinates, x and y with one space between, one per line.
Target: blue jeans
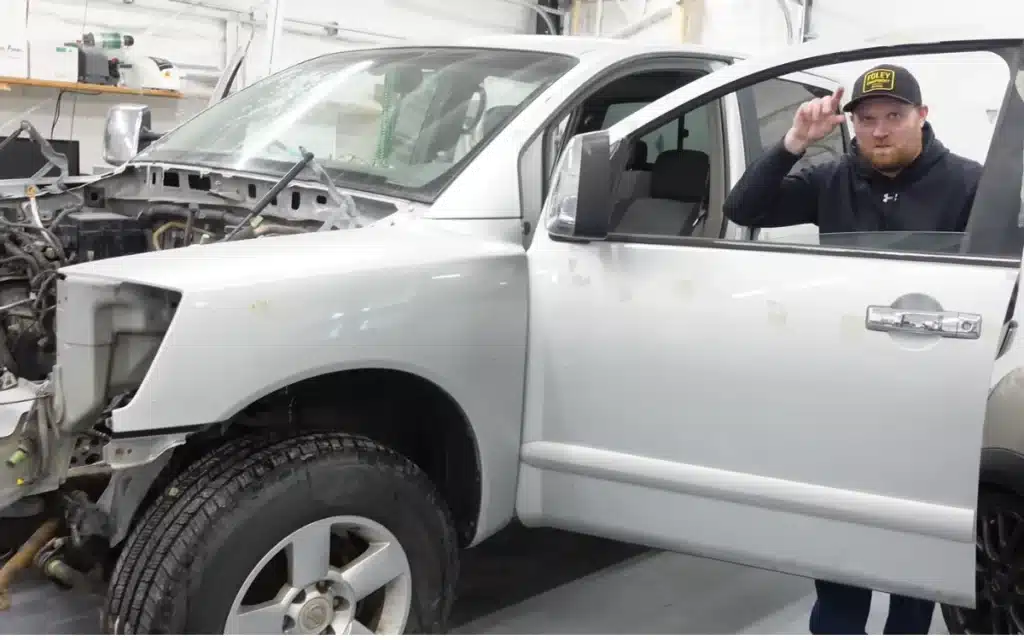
841 609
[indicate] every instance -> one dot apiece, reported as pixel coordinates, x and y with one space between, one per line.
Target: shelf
80 87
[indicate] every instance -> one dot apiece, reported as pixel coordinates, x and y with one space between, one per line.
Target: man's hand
813 121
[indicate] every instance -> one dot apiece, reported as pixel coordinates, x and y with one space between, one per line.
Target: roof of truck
582 46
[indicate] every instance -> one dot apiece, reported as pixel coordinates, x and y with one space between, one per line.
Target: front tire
308 533
999 570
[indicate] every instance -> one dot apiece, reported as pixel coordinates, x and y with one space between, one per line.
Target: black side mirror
579 202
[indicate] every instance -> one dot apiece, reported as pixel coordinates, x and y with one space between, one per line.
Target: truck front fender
446 307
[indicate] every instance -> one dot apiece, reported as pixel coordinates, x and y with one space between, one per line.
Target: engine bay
140 208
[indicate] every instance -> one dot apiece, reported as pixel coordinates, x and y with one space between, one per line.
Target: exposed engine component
36 241
94 235
23 558
31 252
67 546
29 261
172 225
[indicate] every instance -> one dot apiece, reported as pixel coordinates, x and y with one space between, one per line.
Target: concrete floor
589 586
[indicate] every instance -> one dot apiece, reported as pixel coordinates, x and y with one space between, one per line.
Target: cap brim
853 103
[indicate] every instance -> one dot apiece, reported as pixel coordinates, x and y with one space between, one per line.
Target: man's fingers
826 109
803 113
815 110
837 98
820 111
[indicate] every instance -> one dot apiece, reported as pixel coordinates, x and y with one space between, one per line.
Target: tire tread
162 553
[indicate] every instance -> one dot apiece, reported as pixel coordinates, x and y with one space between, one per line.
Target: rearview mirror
127 131
579 202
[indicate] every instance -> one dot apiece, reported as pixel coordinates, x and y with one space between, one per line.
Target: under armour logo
890 197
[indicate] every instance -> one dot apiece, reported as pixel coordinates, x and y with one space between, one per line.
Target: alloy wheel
342 575
999 570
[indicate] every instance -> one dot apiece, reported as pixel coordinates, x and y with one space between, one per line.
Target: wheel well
400 410
1002 469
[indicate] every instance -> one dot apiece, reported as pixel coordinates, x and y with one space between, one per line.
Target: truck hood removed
224 265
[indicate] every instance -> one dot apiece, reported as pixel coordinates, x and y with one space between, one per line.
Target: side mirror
128 130
579 202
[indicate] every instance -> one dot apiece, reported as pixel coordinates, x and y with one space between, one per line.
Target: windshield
399 121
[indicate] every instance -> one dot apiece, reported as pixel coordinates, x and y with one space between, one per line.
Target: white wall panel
402 20
175 31
750 26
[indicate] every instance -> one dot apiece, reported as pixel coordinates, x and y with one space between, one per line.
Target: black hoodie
934 193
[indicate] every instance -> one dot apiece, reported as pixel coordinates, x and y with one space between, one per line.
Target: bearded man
897 176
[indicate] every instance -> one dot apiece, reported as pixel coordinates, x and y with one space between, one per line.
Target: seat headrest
680 174
637 156
495 116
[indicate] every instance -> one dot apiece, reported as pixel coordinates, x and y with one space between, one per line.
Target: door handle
945 324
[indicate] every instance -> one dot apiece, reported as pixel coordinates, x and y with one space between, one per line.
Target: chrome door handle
945 324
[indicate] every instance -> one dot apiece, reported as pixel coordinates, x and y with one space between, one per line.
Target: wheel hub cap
314 615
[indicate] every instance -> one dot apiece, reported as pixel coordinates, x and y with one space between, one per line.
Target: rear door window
775 103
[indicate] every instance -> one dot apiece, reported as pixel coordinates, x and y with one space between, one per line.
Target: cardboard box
13 57
53 61
14 38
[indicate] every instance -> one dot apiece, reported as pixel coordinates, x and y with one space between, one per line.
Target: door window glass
775 103
696 134
888 231
973 206
609 104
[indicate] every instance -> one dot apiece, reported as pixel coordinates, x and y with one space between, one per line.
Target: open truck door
815 409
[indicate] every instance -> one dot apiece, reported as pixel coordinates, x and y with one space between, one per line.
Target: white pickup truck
278 368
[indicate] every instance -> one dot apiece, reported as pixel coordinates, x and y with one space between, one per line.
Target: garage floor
588 585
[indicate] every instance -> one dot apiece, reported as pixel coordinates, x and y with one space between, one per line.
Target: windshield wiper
307 157
346 203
